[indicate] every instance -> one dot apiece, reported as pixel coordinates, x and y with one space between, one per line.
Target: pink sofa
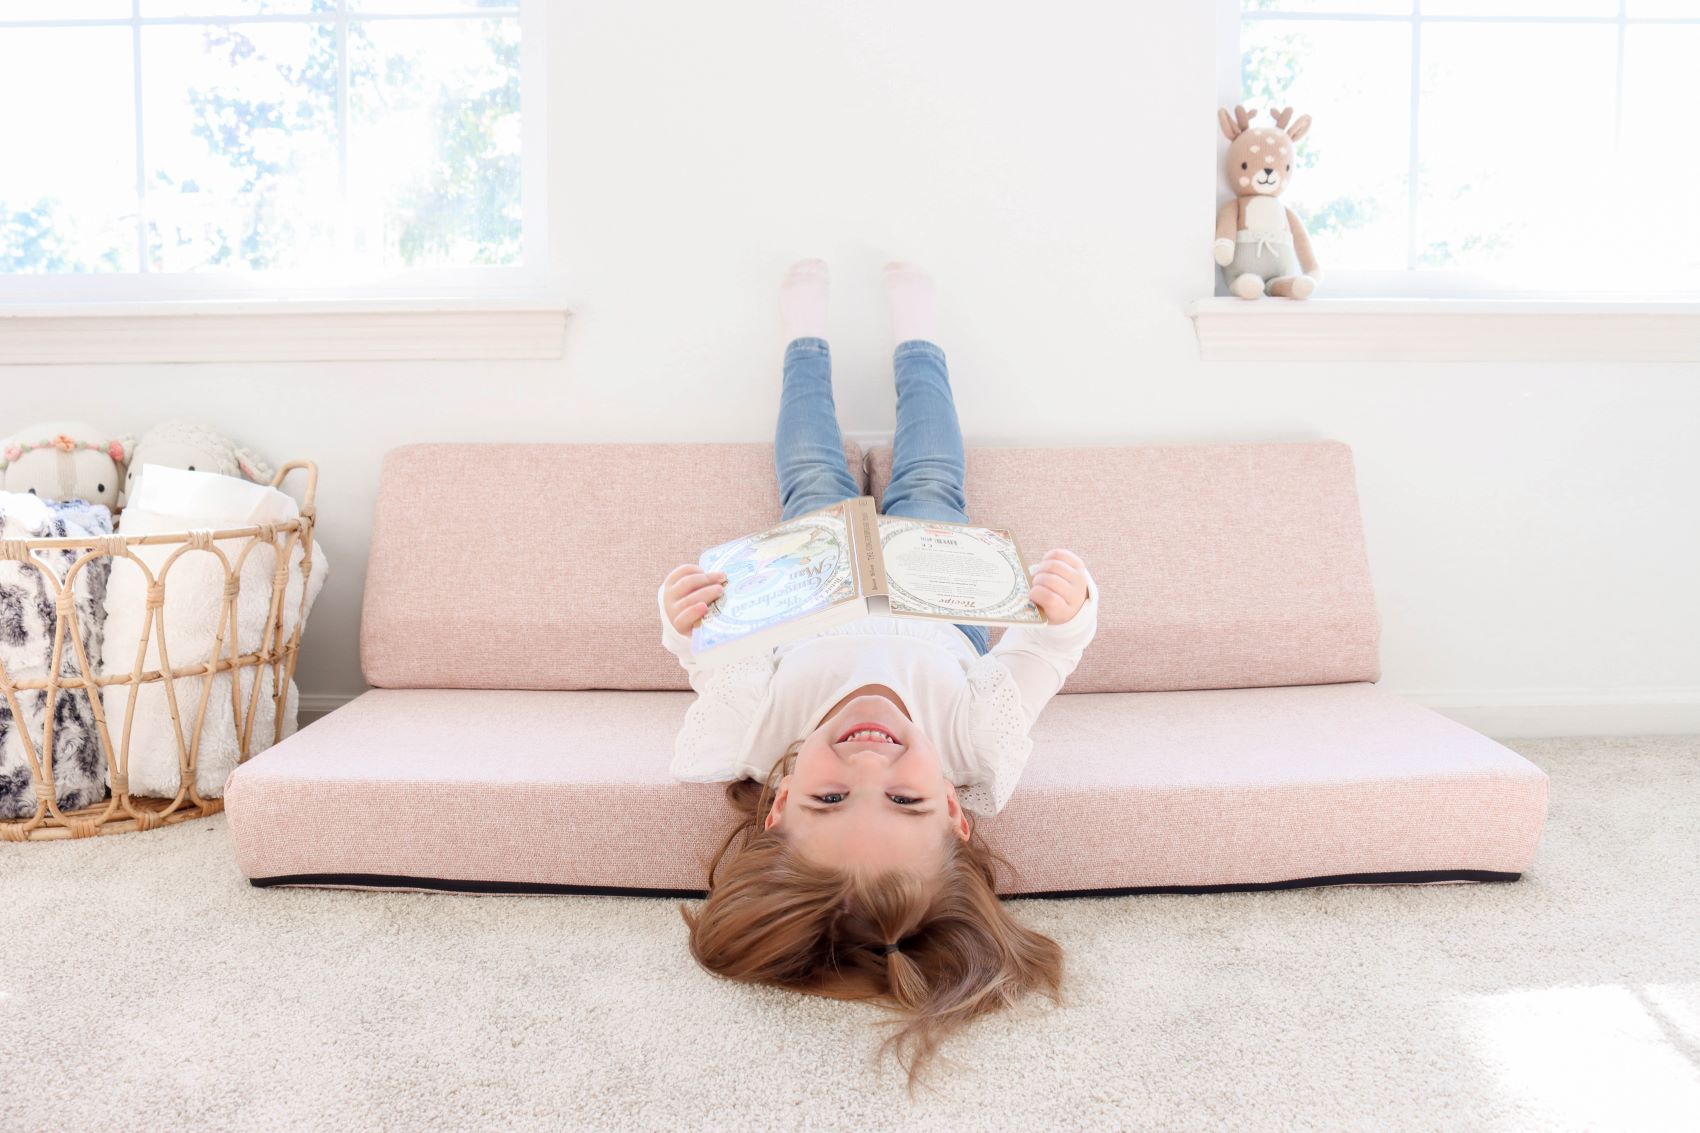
1224 731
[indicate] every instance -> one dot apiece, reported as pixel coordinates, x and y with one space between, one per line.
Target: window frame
530 284
1411 283
1381 317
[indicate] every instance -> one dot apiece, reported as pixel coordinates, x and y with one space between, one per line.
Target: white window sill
281 330
1444 330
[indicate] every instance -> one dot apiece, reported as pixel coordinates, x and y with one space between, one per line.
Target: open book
845 562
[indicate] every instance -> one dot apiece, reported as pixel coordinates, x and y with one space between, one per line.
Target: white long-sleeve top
976 710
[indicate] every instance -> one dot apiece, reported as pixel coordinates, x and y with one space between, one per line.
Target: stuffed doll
1260 242
195 447
29 620
64 460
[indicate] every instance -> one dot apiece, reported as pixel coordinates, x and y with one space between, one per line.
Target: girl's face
867 791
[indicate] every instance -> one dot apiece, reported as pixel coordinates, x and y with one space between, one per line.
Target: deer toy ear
1300 128
1238 124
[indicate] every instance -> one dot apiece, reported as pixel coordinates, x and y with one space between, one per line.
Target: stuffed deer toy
1260 242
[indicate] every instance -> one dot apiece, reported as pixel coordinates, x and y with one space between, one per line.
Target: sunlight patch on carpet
1592 1057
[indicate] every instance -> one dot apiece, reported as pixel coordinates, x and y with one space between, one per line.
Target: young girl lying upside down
855 755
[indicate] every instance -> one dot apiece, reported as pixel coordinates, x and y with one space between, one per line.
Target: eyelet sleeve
715 737
997 740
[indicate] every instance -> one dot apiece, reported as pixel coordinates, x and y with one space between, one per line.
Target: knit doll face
1261 158
867 791
1260 162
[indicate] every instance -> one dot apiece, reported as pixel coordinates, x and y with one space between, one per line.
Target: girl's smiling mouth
871 733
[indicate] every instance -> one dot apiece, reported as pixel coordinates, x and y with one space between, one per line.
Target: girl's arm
1042 657
679 645
730 698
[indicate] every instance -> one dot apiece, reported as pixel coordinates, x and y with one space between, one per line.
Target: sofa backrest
536 566
1221 566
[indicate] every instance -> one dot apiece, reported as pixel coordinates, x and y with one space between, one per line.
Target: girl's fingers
1061 591
695 580
1062 554
702 595
1063 585
680 571
688 618
1064 570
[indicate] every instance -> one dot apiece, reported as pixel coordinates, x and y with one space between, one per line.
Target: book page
801 567
955 571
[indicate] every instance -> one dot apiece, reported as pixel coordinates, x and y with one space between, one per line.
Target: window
1488 147
204 148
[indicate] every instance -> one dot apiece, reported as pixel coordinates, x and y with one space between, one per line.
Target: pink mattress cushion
564 790
535 566
1221 566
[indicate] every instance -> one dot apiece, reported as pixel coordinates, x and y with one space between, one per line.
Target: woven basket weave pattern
121 811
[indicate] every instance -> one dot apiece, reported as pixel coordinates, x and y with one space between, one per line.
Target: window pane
1507 178
1355 77
1520 8
1667 9
215 8
434 141
68 178
1655 168
64 9
240 137
1335 7
428 7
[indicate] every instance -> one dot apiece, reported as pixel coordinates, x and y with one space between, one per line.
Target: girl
854 870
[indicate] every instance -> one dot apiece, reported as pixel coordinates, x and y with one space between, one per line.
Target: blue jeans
926 463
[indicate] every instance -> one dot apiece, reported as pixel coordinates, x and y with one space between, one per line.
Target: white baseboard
317 704
1520 713
1503 714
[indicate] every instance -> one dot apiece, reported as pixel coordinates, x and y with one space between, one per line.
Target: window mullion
1617 111
141 157
345 233
1411 183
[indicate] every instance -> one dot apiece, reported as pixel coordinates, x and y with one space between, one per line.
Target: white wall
1532 528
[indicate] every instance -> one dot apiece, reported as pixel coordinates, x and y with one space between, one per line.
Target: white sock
802 300
910 291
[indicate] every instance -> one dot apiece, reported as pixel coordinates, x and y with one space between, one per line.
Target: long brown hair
773 917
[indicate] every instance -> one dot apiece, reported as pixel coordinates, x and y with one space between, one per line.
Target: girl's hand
1059 586
687 592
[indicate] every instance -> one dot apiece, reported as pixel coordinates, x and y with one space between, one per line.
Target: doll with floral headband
65 460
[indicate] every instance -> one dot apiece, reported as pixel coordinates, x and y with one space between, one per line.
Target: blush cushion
1220 566
486 790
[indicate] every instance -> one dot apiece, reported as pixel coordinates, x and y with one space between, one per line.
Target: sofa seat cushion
561 791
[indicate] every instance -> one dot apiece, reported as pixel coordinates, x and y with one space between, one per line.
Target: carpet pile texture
145 985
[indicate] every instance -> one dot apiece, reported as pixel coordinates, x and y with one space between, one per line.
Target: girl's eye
835 797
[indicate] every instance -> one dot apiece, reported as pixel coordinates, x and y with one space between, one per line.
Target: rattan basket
121 811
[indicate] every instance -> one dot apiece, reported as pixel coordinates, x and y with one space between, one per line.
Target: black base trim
1408 877
438 884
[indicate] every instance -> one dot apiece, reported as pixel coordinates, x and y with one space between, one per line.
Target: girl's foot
910 291
802 300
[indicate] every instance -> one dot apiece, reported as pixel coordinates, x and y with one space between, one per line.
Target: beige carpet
145 986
